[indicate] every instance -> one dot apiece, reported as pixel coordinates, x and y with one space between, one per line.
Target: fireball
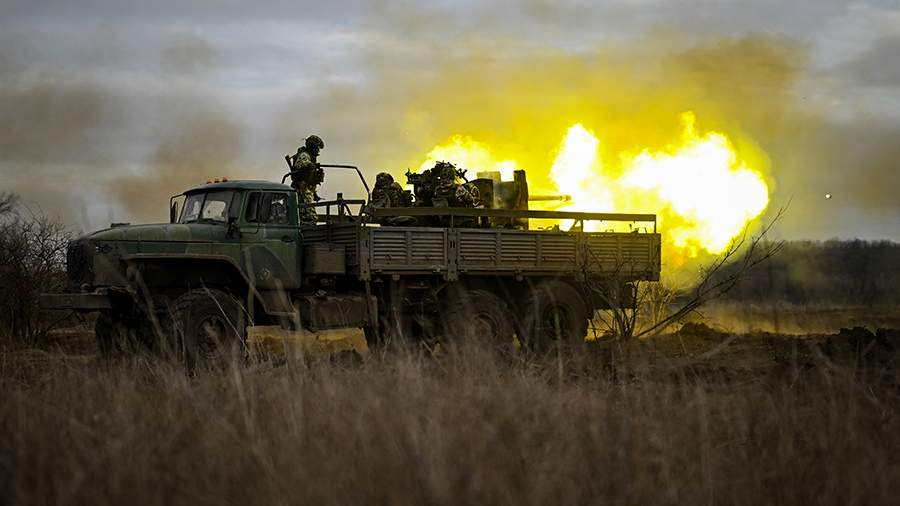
710 194
703 193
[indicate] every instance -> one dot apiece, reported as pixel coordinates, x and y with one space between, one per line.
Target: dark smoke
200 146
56 121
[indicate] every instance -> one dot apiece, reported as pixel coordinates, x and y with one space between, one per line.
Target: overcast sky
108 106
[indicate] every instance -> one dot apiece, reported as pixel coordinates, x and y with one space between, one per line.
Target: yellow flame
703 194
577 172
702 182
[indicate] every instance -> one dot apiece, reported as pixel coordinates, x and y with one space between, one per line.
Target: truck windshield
209 207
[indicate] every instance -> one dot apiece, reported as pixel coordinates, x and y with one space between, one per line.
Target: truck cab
247 229
236 240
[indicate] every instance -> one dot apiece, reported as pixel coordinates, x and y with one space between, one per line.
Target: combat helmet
383 180
314 143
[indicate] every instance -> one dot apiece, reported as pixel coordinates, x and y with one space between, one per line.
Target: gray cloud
54 120
879 65
188 54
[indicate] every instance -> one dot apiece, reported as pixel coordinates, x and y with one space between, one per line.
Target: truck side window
271 208
278 208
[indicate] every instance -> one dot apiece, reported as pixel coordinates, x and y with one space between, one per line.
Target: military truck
234 258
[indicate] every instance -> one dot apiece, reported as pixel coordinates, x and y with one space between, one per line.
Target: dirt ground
727 337
783 318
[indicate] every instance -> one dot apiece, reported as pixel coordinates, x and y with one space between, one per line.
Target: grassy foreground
465 428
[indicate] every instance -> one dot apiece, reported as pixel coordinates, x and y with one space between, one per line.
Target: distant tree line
832 272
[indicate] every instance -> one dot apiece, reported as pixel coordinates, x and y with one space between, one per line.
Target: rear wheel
477 315
553 313
209 327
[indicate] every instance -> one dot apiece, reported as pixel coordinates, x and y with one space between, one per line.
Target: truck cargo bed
451 252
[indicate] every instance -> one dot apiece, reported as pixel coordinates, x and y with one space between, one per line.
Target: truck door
271 235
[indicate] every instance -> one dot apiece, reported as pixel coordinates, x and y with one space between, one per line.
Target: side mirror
173 212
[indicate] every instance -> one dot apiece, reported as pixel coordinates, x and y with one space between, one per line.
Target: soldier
445 182
306 176
382 194
389 193
448 191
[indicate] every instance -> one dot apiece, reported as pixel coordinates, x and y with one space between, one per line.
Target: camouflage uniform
383 195
306 176
389 193
445 184
449 192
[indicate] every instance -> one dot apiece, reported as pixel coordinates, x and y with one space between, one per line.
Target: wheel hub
212 333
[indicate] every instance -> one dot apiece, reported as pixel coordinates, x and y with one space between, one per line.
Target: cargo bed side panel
630 256
449 252
408 249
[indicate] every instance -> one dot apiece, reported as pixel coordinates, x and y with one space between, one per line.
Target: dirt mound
702 330
863 347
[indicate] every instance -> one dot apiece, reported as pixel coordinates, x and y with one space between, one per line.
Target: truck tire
208 327
477 315
552 313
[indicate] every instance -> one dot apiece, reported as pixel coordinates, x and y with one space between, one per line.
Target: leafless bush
32 261
655 301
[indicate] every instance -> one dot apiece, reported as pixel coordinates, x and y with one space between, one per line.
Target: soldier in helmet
445 179
306 176
381 193
450 191
389 193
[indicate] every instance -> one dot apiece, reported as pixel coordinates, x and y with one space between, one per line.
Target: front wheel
208 326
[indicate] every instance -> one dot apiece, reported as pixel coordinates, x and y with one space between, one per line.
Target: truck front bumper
76 301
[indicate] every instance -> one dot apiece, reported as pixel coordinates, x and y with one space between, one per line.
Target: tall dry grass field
466 427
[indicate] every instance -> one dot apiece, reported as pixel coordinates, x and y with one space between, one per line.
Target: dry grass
405 428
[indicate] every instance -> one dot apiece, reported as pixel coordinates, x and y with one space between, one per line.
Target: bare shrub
32 261
655 301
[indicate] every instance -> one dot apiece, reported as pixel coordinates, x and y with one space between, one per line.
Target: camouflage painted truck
234 259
